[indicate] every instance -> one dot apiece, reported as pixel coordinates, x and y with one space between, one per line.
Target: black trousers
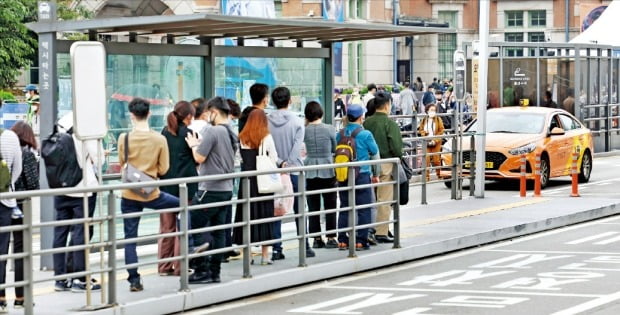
18 247
210 216
329 203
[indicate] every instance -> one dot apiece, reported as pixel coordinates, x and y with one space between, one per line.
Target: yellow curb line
472 213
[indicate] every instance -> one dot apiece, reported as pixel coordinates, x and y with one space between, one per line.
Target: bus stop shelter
201 55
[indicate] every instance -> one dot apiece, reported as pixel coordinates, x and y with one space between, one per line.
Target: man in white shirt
372 90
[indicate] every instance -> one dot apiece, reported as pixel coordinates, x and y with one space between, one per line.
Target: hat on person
337 90
355 111
30 87
396 90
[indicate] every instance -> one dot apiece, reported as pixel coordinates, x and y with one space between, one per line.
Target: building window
356 9
538 18
514 18
447 45
535 37
514 38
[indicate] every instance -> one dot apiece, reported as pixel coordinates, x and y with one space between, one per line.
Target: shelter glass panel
519 81
163 80
303 76
562 72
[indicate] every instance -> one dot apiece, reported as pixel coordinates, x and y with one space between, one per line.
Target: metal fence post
424 170
352 213
396 205
28 273
472 163
184 238
112 248
247 250
301 206
454 180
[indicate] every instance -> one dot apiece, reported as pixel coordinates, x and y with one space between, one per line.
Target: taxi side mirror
557 131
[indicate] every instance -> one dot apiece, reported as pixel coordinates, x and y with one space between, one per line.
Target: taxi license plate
486 164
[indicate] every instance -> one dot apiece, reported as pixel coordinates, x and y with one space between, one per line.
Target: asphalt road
573 270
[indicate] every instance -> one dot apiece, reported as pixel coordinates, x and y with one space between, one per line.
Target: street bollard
537 176
522 188
575 176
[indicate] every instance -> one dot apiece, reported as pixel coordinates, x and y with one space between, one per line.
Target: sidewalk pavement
426 230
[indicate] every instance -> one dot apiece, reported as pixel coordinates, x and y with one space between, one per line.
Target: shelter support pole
328 84
209 68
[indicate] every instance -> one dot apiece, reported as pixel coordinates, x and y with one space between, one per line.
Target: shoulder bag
268 183
131 174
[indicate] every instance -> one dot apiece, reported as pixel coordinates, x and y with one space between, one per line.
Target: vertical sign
334 10
459 75
88 73
48 94
474 82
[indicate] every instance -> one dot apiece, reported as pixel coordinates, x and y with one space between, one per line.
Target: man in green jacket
390 142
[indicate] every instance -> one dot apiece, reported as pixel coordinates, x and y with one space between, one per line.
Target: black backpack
61 164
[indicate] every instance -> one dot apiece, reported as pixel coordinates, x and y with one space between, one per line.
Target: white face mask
27 95
432 114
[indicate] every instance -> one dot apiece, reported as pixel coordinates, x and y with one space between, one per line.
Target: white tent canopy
603 30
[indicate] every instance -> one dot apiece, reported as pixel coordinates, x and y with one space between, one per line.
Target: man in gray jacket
287 130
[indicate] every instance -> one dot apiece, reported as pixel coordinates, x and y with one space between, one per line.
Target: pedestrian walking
256 137
287 130
147 151
11 168
320 141
387 136
432 126
365 149
182 164
215 152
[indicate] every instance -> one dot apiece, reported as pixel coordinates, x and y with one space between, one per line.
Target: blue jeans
130 225
362 197
277 225
68 208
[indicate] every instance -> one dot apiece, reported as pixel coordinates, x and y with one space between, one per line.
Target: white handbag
268 183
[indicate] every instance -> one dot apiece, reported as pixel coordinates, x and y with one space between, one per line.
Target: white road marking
551 252
590 304
581 186
326 284
591 238
494 292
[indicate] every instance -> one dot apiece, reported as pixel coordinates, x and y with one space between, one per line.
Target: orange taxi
512 131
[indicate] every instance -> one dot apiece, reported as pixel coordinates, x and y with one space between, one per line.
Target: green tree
16 43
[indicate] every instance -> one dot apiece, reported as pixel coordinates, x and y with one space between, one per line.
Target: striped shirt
12 154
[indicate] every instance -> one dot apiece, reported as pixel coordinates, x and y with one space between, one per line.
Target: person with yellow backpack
355 144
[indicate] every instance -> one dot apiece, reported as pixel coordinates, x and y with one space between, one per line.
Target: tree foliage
18 45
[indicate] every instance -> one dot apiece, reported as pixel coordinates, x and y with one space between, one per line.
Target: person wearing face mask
216 153
432 126
181 165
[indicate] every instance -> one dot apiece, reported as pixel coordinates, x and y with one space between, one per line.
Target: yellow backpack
346 151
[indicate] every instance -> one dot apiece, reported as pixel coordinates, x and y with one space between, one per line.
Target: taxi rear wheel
586 167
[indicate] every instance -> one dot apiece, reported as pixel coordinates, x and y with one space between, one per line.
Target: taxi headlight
524 149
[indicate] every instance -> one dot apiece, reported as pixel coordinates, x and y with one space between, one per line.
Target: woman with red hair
254 135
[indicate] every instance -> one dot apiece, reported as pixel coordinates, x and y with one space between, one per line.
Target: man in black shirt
259 93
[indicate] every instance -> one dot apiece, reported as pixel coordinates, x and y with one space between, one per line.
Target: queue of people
199 139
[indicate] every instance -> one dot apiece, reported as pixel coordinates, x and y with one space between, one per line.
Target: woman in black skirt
254 135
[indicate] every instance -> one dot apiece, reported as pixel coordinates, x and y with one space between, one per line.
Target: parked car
512 131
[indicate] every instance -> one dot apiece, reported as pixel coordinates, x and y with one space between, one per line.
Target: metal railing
110 244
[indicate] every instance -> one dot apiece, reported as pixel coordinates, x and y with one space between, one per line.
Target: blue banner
333 10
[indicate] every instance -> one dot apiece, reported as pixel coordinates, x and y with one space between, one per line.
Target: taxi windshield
511 122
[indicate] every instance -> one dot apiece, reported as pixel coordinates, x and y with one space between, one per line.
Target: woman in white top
254 135
432 126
